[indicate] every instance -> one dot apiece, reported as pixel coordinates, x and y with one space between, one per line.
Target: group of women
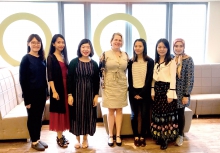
162 87
158 90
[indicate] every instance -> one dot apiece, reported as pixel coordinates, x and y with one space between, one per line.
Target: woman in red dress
57 65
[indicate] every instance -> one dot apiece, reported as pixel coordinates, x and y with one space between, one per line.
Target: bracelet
186 95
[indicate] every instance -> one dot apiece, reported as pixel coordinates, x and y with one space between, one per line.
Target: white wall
213 33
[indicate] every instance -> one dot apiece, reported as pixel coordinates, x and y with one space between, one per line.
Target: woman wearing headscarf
184 83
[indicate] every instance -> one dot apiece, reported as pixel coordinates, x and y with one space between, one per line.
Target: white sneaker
179 140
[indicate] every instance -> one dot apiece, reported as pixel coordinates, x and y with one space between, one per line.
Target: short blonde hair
119 34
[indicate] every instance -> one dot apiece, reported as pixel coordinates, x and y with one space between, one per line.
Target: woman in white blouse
164 125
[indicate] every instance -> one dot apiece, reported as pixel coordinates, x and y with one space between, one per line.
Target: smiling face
59 44
138 47
116 42
178 48
85 49
34 45
161 49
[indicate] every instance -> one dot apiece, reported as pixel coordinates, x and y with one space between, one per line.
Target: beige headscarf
179 57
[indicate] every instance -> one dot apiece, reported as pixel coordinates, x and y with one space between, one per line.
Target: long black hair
145 56
167 58
41 52
53 49
85 41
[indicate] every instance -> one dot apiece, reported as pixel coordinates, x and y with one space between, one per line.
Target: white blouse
165 73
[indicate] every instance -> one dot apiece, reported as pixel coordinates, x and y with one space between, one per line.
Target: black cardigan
32 76
146 91
54 74
71 85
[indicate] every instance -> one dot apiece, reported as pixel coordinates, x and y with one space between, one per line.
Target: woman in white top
114 93
164 125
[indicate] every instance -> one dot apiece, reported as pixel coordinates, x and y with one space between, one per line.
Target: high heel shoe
67 141
118 143
164 144
142 142
64 138
137 142
61 142
110 141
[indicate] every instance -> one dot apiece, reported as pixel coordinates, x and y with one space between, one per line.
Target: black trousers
143 107
181 120
35 113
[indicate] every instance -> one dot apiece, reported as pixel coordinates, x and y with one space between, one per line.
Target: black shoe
142 142
67 141
43 144
111 143
136 142
164 145
38 147
61 142
118 143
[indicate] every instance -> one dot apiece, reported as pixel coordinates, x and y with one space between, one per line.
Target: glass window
189 23
74 27
98 13
153 18
16 34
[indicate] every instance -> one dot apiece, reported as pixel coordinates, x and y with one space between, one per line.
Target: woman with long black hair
140 74
164 126
57 67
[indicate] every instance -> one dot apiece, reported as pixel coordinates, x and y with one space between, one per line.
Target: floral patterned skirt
164 115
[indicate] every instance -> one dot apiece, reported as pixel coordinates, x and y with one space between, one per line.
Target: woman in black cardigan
140 73
57 66
33 80
83 91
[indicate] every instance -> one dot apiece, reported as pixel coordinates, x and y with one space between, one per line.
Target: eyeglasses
35 43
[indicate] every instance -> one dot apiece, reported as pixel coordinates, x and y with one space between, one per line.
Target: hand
152 97
95 101
70 100
185 100
138 97
169 100
28 106
56 96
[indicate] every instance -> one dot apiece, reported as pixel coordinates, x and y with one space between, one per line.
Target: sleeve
189 80
96 83
172 70
152 87
50 68
47 89
24 80
101 64
130 80
70 78
149 77
152 84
